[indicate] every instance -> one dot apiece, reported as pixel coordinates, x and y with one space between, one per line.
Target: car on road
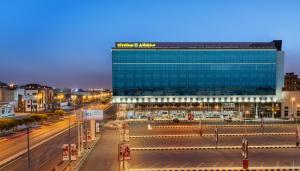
228 119
9 115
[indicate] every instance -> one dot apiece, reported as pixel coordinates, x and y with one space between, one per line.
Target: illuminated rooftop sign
135 45
276 44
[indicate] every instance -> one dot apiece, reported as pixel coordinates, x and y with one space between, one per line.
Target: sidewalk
105 153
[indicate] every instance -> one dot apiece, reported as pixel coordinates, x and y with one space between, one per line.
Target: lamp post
73 97
38 97
293 99
60 97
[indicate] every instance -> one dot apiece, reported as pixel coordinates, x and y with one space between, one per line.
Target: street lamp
293 99
60 97
38 97
73 97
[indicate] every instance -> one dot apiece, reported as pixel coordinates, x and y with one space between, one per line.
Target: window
286 113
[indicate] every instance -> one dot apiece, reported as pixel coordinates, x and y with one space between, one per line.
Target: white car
8 115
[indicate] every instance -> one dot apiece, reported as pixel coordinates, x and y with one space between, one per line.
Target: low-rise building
38 98
290 104
291 82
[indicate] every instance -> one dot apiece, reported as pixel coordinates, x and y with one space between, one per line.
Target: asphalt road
142 130
43 157
210 141
105 153
214 158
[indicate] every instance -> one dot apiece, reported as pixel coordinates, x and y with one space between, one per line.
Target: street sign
124 152
92 114
73 152
65 152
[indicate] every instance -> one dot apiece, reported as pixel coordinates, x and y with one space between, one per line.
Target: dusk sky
67 43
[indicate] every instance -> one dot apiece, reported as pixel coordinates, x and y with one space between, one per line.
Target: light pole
73 97
293 99
60 97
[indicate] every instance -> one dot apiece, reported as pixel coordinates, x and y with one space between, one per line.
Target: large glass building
206 79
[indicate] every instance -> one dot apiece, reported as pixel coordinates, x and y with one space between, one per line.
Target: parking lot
154 149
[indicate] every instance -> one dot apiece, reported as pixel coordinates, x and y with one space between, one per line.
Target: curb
212 148
226 126
220 169
207 135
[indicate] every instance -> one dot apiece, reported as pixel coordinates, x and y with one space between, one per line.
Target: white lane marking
185 164
199 165
168 166
216 164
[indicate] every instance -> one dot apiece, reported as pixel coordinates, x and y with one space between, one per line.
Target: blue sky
66 43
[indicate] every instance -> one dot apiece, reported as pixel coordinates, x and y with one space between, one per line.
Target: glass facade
193 72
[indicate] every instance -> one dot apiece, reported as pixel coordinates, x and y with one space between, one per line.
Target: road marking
226 126
14 157
215 169
186 164
167 166
209 135
209 148
199 165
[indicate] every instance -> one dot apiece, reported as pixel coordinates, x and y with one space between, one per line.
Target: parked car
175 120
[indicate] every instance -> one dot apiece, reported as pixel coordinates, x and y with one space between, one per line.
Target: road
142 130
105 153
213 158
210 141
47 154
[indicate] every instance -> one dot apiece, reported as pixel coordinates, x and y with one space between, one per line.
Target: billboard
92 114
73 152
124 152
65 154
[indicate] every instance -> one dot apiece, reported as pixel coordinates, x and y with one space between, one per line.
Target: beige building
290 106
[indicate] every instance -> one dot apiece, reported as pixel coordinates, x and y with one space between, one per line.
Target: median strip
211 148
208 135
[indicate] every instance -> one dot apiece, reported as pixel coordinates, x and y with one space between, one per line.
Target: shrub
59 112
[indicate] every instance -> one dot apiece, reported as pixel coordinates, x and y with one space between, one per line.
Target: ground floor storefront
198 110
